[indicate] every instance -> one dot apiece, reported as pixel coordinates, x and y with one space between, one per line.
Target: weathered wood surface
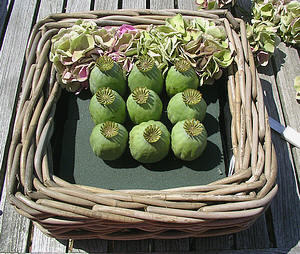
287 67
78 5
286 205
106 5
187 5
44 244
275 232
129 4
48 7
88 246
158 4
285 208
14 228
11 62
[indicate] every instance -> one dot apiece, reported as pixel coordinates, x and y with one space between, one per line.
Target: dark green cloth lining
75 161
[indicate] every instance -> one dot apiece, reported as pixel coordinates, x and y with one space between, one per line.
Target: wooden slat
140 246
106 5
162 4
225 242
129 4
296 249
187 5
181 245
11 60
285 207
49 7
14 227
78 5
44 244
287 65
40 242
254 237
89 246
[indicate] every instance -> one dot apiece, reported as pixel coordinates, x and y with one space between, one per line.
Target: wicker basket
64 210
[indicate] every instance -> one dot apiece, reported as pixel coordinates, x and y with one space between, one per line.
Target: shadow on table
211 158
3 18
280 56
283 215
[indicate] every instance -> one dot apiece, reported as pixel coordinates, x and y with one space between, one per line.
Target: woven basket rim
221 207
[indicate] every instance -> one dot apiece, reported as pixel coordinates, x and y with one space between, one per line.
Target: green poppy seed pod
186 105
145 74
149 142
180 77
143 105
189 139
107 73
109 140
107 105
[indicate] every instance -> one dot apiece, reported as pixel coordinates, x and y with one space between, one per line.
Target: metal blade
276 126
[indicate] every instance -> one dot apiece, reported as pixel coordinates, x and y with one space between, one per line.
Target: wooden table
277 231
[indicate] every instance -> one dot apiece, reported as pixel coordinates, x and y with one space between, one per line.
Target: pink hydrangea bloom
83 73
126 28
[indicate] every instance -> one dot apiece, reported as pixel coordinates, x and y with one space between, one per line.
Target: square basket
69 211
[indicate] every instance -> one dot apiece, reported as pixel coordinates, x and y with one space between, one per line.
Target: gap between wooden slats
5 12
